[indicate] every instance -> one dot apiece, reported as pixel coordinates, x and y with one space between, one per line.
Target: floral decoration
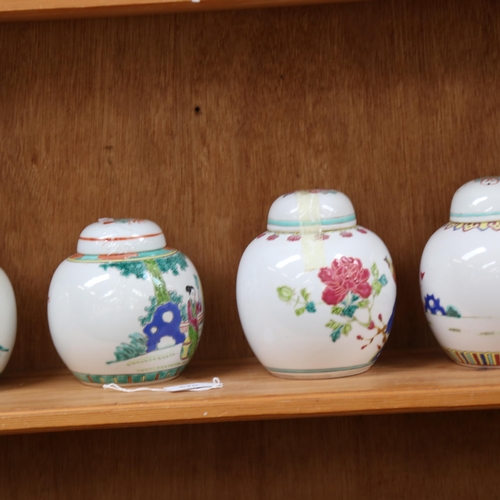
469 226
302 299
488 181
293 237
433 305
351 296
344 275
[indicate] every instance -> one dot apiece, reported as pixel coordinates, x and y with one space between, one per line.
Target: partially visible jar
8 320
125 308
316 292
460 276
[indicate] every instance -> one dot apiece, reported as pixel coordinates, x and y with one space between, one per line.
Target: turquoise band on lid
482 214
323 222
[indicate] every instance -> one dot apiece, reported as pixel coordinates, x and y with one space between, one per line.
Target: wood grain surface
413 381
22 10
449 456
199 121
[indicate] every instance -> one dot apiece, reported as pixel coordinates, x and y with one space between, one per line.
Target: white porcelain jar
8 320
316 292
125 308
460 276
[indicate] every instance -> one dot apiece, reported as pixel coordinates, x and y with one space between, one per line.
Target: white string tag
195 387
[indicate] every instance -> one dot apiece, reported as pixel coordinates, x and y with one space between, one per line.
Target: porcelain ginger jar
125 308
460 276
316 292
8 319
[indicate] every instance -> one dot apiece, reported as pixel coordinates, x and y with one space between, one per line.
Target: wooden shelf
23 10
400 382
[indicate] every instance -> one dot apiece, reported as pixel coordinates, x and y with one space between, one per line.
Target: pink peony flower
345 275
272 237
261 235
346 234
361 230
294 237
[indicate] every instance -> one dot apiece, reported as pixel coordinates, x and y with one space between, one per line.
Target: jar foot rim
323 373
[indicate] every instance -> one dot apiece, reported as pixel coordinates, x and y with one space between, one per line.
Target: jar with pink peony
316 292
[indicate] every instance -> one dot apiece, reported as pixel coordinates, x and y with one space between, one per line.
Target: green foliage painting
154 268
137 347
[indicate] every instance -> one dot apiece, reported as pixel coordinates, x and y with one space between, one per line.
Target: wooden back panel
391 457
199 121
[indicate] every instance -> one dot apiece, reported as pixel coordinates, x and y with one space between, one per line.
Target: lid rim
479 214
110 236
318 222
473 220
322 229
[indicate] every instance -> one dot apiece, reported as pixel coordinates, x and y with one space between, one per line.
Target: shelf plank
24 10
410 381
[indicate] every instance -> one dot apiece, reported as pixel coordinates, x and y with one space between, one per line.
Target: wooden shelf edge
400 382
29 10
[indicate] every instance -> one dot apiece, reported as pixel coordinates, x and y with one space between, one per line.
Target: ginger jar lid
118 236
477 201
313 210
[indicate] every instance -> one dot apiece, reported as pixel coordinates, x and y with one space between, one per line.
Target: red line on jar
121 239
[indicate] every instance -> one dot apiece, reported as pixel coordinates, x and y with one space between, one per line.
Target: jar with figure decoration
125 308
460 276
316 292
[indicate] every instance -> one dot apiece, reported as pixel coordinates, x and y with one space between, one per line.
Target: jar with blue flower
460 276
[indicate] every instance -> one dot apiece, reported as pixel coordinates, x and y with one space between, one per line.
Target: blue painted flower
432 305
